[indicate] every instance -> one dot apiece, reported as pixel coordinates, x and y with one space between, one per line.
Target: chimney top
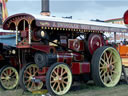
45 8
45 13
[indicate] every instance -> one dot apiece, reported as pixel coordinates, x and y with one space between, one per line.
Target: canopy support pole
29 33
115 37
16 35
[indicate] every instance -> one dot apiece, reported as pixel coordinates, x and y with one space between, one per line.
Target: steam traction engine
55 52
9 76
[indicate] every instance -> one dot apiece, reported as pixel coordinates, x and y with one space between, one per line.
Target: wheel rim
60 79
110 67
29 73
9 78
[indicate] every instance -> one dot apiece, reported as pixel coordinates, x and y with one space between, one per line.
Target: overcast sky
79 9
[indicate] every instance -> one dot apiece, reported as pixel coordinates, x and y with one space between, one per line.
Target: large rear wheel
106 66
9 77
58 79
26 75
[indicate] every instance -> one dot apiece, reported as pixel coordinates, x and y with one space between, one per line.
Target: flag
4 9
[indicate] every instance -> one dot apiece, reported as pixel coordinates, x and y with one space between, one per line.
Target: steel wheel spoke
59 86
3 78
103 74
52 81
101 63
107 57
64 82
65 78
113 62
32 86
63 85
64 73
13 75
61 71
115 72
109 61
29 70
104 61
109 77
54 84
27 81
35 72
105 79
27 77
104 56
58 70
110 55
102 67
101 71
55 73
53 76
4 73
28 84
28 73
9 72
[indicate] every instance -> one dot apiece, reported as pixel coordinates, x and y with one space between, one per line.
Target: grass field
78 90
92 90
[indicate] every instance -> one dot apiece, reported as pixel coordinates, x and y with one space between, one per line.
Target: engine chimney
45 8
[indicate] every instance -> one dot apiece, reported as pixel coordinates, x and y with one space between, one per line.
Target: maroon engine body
68 44
47 43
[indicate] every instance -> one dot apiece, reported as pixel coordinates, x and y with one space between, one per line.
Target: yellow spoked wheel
26 78
58 79
106 66
9 77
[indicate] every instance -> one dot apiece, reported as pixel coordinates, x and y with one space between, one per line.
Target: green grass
78 90
92 90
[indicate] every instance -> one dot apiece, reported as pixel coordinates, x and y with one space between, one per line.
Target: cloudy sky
79 9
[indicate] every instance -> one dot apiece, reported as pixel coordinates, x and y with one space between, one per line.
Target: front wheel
58 79
9 77
106 66
26 75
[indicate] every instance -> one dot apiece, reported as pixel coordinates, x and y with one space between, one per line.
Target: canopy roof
54 22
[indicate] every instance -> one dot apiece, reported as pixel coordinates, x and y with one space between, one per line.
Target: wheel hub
31 77
110 67
97 44
60 78
7 78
